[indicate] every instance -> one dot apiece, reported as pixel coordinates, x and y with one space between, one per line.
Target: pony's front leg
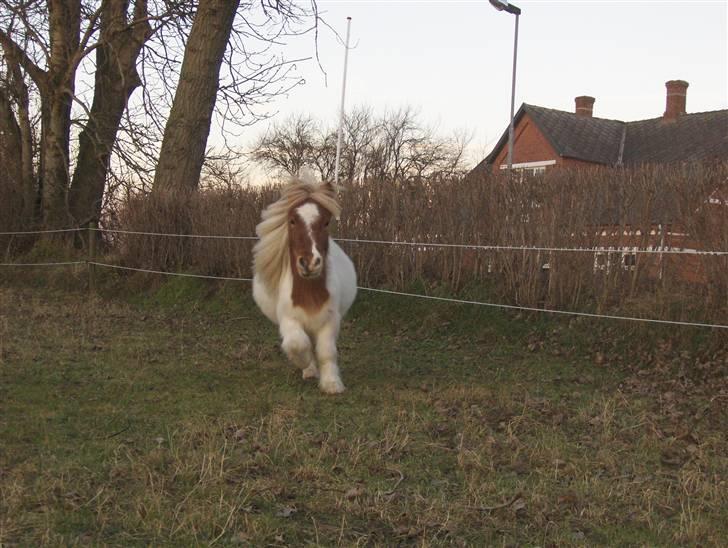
297 346
330 381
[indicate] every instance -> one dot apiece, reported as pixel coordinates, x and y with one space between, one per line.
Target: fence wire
371 289
419 245
442 299
181 274
172 235
51 231
61 263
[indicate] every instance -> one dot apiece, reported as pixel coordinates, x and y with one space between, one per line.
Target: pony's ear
330 187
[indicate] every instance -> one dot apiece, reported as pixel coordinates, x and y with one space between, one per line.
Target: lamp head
504 5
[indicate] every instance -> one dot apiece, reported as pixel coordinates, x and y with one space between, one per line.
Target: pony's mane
270 254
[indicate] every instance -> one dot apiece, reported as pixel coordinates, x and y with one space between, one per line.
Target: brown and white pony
304 282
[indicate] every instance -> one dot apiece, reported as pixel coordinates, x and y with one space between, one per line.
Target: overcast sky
452 59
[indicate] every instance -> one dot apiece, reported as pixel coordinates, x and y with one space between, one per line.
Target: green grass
170 417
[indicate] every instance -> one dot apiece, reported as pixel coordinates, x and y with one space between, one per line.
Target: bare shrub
227 212
676 207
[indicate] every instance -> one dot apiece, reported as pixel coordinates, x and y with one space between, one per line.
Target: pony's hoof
311 372
331 386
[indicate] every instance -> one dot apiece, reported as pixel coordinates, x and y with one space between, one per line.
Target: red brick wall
571 162
531 146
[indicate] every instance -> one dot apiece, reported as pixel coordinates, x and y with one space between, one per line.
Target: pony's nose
317 262
302 263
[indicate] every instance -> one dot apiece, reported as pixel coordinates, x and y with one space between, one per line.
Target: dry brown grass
175 421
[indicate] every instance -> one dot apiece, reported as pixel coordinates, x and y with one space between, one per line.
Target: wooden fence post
91 256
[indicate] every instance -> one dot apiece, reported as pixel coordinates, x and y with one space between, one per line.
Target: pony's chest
309 296
311 320
312 307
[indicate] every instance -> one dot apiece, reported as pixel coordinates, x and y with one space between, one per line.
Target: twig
127 427
389 494
332 489
513 499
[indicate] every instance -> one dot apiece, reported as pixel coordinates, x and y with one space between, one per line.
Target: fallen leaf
568 499
286 512
519 508
671 458
240 538
353 493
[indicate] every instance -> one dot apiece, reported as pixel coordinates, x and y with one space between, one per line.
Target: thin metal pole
343 97
513 99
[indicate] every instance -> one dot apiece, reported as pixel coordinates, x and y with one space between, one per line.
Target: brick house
546 138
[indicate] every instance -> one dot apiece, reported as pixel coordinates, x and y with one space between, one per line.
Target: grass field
171 418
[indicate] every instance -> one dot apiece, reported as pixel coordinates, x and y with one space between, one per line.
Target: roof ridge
574 114
529 105
687 114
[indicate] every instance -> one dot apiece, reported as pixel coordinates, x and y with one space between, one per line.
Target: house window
601 261
531 168
629 260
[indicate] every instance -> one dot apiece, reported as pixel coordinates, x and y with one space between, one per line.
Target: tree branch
17 56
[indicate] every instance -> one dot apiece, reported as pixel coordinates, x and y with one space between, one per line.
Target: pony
303 281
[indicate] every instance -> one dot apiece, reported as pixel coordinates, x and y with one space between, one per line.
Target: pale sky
452 60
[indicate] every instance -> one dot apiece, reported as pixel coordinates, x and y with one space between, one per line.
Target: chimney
677 91
584 106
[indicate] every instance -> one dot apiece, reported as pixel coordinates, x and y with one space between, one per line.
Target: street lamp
504 5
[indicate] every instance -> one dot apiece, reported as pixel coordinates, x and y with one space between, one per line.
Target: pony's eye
293 221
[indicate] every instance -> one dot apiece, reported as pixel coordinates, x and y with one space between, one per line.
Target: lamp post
504 5
340 132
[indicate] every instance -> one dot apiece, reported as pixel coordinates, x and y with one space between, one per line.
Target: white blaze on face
309 213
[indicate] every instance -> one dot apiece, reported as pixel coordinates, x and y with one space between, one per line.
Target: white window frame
603 259
532 168
632 254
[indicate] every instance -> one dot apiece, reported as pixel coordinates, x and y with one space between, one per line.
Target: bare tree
115 79
394 147
188 126
173 49
47 41
62 49
288 146
17 139
323 156
360 131
250 77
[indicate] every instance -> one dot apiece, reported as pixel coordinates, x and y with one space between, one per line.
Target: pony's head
294 232
308 238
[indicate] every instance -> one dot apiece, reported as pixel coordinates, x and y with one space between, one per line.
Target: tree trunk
54 149
188 126
29 191
116 79
10 148
23 147
57 97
